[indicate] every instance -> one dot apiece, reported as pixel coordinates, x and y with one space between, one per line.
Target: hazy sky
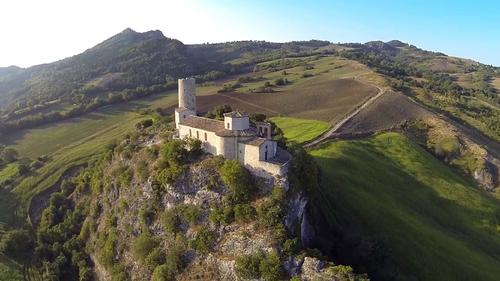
41 31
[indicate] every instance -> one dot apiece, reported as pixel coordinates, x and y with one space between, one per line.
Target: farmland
439 225
388 111
300 130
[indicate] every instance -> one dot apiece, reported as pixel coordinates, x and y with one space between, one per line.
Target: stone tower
187 100
187 93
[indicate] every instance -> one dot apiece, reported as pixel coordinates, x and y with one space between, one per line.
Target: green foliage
223 215
247 266
154 258
244 212
271 211
59 243
291 247
218 112
203 240
143 245
270 268
17 244
238 180
171 220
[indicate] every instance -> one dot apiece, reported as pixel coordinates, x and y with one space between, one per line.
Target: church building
234 138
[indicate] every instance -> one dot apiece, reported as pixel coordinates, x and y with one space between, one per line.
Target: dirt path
341 123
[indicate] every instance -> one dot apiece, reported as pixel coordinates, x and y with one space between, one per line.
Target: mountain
126 61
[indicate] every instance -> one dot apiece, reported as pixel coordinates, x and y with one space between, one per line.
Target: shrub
143 245
281 81
271 210
244 212
247 267
171 221
169 175
163 273
238 179
189 213
141 170
203 241
223 215
174 152
270 268
291 247
155 258
306 74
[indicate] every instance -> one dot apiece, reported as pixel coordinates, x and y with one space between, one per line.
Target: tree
17 244
238 179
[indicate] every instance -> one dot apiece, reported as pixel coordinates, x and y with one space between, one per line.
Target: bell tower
187 100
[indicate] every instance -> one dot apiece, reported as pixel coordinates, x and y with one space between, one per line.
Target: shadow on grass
366 194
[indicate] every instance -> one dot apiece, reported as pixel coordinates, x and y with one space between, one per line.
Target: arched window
205 136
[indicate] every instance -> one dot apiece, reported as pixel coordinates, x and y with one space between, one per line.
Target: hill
385 203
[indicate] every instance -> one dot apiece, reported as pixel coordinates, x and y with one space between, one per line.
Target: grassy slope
300 130
440 227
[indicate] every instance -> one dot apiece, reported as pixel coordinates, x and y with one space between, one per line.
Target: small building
234 137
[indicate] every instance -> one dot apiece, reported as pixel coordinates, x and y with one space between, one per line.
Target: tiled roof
216 126
255 141
236 114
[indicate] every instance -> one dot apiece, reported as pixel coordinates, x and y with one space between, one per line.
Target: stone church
234 138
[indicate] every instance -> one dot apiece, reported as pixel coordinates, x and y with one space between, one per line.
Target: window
205 136
190 133
198 134
228 125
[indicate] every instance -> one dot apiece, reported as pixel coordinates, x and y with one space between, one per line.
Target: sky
34 31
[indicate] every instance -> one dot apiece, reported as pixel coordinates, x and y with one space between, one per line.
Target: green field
300 130
440 227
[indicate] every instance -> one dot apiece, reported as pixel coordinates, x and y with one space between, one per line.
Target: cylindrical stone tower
187 93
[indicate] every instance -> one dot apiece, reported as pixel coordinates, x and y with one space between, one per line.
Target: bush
189 213
270 268
270 212
143 245
244 213
203 241
247 267
163 273
174 152
171 221
281 81
238 179
155 258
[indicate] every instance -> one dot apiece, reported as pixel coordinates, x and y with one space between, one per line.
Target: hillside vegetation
419 215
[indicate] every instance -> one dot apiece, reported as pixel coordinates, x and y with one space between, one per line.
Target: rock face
296 220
